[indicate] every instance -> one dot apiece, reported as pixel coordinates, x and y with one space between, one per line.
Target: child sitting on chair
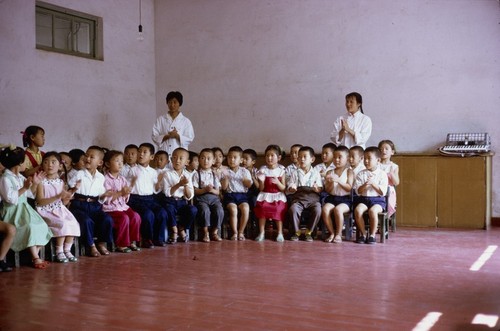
338 185
371 188
305 185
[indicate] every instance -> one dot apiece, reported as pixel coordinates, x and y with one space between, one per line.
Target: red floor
266 286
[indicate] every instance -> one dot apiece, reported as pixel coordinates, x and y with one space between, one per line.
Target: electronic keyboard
466 144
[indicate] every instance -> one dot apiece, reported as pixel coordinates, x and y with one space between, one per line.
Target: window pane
82 40
62 33
44 29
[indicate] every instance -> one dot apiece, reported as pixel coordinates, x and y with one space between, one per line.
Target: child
207 191
144 183
356 159
338 185
218 168
294 165
387 149
9 232
78 160
371 187
248 161
271 201
31 230
66 166
305 185
193 163
130 159
178 189
51 198
126 222
353 128
33 139
325 166
87 204
161 162
235 184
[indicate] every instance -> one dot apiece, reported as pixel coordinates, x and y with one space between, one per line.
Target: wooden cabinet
445 192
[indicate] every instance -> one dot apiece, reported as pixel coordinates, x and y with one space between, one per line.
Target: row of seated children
323 190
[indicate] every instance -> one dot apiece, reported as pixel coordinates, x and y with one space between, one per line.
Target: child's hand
38 177
161 175
183 181
209 188
77 184
335 178
108 193
125 191
329 177
27 183
292 188
275 180
261 176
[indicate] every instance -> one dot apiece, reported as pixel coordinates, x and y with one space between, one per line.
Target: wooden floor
266 286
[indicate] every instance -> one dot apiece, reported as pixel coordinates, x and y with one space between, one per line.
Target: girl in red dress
271 201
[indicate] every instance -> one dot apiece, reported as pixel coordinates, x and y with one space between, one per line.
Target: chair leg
348 226
382 219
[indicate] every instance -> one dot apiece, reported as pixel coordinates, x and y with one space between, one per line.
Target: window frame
75 17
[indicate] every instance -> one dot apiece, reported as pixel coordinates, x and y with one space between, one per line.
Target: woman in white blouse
353 128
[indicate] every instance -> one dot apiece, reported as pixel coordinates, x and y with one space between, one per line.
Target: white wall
257 72
77 101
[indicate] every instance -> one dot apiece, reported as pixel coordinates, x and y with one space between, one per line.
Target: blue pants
93 221
154 217
186 212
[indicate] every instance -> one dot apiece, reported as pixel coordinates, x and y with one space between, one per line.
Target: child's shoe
294 238
61 258
260 237
371 240
337 239
70 257
309 238
280 238
4 267
361 240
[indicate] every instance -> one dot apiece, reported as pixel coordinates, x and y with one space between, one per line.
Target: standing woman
353 128
173 129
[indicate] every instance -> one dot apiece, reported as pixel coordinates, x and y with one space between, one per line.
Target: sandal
234 237
206 238
337 239
330 239
172 240
123 250
134 248
39 265
241 237
61 258
94 252
216 237
71 257
102 249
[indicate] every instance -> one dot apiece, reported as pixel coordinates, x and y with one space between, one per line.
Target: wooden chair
383 222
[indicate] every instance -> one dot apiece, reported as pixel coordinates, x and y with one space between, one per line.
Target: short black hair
308 149
236 149
31 130
148 146
75 155
373 149
331 146
251 152
192 155
175 95
161 152
131 146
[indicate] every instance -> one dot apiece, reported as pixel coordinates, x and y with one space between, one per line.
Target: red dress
271 203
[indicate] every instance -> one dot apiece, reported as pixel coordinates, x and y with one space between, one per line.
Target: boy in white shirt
178 190
305 185
371 187
144 184
87 203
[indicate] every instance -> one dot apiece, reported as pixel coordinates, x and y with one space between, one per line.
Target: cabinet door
416 193
461 192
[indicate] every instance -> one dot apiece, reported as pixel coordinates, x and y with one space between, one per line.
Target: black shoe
147 244
361 240
4 267
159 243
371 240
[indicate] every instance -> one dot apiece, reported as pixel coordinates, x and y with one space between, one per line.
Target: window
68 31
